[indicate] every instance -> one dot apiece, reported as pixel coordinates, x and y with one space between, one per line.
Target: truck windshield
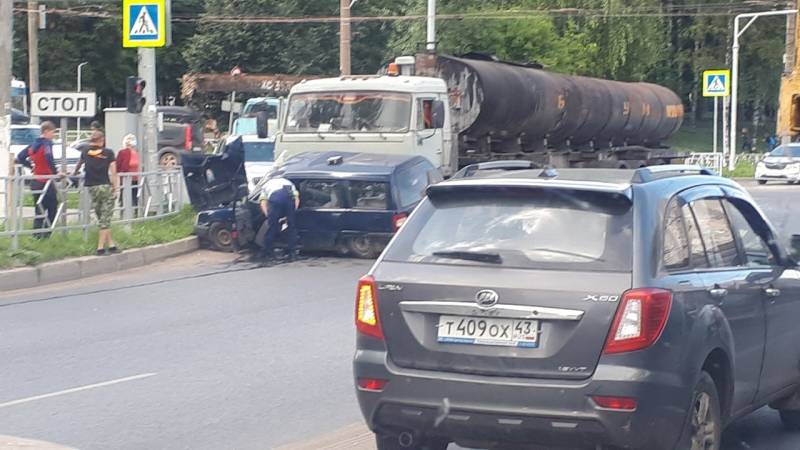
349 112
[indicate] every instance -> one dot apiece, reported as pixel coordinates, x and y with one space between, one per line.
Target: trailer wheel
221 237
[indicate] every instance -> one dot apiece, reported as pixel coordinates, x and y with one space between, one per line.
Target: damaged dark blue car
351 203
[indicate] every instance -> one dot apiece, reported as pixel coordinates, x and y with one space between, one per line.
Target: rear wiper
486 257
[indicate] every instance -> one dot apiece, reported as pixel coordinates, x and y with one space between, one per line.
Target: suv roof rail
652 173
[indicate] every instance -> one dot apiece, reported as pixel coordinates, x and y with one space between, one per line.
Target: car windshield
24 136
350 112
786 151
535 229
253 108
259 151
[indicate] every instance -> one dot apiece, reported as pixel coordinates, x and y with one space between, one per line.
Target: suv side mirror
262 124
437 111
795 247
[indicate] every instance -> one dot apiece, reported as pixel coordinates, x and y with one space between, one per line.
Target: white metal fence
717 161
154 195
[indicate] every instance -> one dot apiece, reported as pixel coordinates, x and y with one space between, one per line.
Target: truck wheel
362 247
703 427
168 160
407 442
762 182
221 237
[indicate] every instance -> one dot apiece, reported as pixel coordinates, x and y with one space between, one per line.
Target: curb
89 266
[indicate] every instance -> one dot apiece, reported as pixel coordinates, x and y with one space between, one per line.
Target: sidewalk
88 266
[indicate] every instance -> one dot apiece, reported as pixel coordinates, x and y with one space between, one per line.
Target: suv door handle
772 292
718 292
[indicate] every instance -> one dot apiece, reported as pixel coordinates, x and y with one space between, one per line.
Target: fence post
85 208
127 200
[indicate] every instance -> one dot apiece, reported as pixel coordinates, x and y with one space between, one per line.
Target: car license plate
488 331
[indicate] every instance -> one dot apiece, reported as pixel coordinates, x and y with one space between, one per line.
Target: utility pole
344 37
431 41
33 46
147 71
6 43
789 55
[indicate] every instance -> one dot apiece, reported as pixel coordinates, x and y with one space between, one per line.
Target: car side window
756 250
676 243
716 233
697 248
320 194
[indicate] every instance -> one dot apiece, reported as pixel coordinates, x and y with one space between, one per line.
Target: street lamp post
80 67
735 71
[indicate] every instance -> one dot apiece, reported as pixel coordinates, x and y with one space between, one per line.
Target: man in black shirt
101 179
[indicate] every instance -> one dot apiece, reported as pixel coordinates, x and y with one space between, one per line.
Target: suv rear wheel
362 247
407 442
703 428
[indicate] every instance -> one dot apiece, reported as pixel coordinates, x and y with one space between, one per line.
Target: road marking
77 389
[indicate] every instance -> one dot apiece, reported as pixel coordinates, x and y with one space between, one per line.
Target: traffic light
134 94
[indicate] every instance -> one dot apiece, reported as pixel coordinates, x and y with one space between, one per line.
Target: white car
259 157
781 164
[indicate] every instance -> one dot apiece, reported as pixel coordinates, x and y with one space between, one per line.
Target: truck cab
402 115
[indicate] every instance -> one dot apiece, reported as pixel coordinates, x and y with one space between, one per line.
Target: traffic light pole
147 72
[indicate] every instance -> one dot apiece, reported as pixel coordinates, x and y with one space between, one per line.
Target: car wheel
703 427
790 419
362 247
762 181
221 237
393 442
168 160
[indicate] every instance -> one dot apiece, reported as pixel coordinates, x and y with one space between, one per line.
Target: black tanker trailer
511 111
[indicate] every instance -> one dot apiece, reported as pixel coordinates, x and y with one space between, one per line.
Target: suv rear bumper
555 413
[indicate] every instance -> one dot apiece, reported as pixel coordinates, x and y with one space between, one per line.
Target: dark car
586 308
181 134
349 202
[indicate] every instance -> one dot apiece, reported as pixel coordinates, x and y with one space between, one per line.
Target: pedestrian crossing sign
716 83
145 23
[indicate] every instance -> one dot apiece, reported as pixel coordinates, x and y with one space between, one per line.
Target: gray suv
636 309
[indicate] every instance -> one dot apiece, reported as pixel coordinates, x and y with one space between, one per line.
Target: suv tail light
187 138
398 220
367 321
640 319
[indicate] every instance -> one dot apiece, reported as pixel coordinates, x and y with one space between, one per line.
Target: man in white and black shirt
279 200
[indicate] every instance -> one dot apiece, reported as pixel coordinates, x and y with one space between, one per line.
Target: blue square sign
145 23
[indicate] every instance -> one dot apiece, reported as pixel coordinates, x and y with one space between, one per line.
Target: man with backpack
39 158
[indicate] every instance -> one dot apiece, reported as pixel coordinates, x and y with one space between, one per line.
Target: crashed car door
214 180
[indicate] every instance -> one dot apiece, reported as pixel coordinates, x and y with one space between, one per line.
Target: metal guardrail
717 161
160 194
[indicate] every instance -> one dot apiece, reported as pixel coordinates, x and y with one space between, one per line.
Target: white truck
457 111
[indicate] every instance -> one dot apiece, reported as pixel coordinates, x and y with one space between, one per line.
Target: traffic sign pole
716 122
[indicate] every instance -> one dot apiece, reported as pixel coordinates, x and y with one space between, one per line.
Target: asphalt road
201 352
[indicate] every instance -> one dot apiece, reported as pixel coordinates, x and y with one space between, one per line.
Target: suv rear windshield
538 229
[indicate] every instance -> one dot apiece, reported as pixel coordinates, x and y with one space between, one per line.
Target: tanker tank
501 107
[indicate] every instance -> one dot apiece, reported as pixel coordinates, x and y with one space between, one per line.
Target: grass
744 169
699 137
73 200
36 251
